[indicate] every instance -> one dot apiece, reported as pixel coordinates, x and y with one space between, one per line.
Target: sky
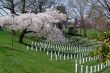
64 2
3 13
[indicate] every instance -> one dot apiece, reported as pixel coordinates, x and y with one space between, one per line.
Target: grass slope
19 60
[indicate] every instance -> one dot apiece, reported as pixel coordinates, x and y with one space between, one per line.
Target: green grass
91 32
20 60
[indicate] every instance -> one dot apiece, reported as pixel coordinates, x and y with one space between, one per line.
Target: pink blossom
40 23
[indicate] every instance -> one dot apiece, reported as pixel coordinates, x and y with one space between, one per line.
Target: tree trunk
40 8
22 36
80 30
84 26
23 6
12 10
85 35
13 32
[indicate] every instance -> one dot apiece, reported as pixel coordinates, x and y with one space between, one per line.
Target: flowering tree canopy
41 23
6 21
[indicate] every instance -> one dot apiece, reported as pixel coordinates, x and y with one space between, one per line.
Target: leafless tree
80 9
24 6
105 5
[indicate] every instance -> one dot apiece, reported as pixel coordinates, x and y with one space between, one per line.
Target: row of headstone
63 49
91 69
44 48
36 48
87 59
59 56
67 56
75 55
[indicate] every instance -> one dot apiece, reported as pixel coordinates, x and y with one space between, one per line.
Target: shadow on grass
5 48
25 44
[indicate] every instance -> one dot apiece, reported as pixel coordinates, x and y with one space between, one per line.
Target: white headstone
51 56
58 53
35 44
40 49
83 61
64 57
36 48
87 71
55 53
95 68
101 66
27 47
76 61
31 47
77 56
82 68
74 56
86 59
89 58
47 52
68 56
91 70
71 56
56 57
98 68
60 57
76 68
80 61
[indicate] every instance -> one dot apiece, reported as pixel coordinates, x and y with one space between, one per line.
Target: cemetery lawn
20 60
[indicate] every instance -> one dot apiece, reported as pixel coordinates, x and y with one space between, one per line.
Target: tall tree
105 6
61 9
101 13
40 24
79 9
23 4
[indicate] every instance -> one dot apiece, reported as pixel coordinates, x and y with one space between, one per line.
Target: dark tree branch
5 11
23 4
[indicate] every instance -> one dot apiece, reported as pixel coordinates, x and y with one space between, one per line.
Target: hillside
20 60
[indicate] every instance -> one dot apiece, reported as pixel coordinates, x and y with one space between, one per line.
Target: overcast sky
2 12
64 2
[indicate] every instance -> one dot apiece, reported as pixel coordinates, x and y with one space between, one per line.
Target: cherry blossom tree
6 21
43 24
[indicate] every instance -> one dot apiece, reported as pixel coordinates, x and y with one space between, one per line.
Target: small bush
104 49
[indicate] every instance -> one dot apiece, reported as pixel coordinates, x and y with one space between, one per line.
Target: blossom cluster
41 23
